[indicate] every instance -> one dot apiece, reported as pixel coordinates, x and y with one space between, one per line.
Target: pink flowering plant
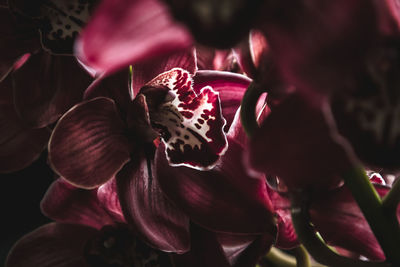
205 133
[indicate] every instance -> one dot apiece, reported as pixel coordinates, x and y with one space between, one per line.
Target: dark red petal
88 145
331 40
52 245
296 143
46 86
108 198
156 220
115 86
191 124
338 218
287 237
205 250
16 39
66 203
145 71
123 32
19 145
230 86
223 199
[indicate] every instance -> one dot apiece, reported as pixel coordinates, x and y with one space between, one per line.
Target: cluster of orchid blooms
205 133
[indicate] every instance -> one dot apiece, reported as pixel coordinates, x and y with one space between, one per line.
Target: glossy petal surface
156 219
52 245
123 32
223 199
88 145
66 203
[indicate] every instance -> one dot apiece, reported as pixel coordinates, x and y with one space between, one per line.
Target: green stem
384 226
248 108
281 259
313 242
391 201
302 258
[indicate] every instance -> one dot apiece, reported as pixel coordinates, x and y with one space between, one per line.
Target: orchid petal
156 220
115 86
123 32
224 199
145 71
19 145
108 198
341 223
16 39
66 203
286 237
205 250
191 124
245 250
88 145
230 86
46 86
297 134
52 245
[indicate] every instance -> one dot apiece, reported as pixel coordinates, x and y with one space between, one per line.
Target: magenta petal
16 39
338 218
46 86
108 198
19 145
287 237
115 86
52 245
156 220
298 135
205 250
145 71
223 199
123 32
230 86
66 203
88 145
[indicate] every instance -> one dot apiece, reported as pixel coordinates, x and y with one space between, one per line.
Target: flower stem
392 199
281 259
248 108
385 227
313 242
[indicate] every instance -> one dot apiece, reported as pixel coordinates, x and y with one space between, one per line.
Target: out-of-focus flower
123 32
45 84
337 217
221 23
299 145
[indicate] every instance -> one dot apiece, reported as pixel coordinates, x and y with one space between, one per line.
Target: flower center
190 123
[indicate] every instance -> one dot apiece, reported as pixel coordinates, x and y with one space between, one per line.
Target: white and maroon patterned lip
191 124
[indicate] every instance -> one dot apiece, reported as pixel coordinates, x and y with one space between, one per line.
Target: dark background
20 196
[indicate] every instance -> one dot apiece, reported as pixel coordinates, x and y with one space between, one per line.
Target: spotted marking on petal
191 125
65 20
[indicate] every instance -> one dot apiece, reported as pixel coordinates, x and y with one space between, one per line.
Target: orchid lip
190 124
